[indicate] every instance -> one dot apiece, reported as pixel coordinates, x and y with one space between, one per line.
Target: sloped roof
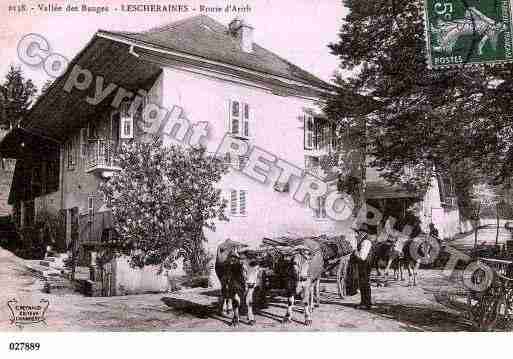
203 36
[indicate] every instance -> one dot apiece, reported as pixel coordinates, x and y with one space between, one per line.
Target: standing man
362 257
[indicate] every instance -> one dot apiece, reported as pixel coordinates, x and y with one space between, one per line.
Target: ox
304 268
240 277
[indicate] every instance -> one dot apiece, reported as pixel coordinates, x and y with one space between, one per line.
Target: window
92 132
29 213
70 155
237 162
52 176
17 214
333 135
238 202
36 181
90 208
127 121
312 164
84 138
320 212
239 119
446 189
319 133
309 132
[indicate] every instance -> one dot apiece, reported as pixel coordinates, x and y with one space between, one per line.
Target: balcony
100 157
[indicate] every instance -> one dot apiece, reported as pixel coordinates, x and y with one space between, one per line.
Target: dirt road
398 308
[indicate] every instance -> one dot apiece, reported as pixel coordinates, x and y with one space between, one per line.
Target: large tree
416 117
16 96
162 199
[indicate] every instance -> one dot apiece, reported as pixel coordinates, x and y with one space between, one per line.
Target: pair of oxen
248 275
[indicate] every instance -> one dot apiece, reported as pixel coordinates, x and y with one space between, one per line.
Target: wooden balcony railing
100 155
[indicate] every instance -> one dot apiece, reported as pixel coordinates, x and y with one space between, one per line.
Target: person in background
433 232
390 233
362 255
373 228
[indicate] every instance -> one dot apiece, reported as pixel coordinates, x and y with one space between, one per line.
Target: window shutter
127 121
227 159
309 132
334 137
320 212
242 203
127 128
316 132
90 208
242 162
317 210
305 133
235 117
246 119
233 202
70 155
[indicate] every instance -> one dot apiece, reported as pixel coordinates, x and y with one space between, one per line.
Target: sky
297 30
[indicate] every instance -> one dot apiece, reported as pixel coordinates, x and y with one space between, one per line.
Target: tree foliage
162 199
414 116
46 86
16 95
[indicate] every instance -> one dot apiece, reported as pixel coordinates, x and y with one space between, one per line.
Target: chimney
243 32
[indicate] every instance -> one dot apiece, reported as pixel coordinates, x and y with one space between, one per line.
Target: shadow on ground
426 318
200 311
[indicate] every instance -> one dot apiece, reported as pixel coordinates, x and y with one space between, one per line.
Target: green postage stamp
468 32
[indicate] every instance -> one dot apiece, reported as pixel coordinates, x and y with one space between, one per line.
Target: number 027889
20 346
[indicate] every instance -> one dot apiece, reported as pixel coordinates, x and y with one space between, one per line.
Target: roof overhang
24 144
199 61
58 112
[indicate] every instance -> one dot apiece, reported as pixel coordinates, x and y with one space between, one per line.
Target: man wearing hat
363 260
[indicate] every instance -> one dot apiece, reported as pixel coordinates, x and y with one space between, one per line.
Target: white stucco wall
275 127
146 280
446 220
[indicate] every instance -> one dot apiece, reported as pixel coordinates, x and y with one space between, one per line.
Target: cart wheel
489 311
472 307
341 277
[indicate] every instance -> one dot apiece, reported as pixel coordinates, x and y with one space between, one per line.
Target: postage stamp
468 32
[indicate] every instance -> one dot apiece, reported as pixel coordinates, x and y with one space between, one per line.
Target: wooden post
477 214
497 217
75 233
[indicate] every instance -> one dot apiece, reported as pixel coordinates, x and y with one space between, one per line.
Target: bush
197 261
52 228
32 245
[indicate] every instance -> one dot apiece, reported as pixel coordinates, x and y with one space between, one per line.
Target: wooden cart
493 306
340 264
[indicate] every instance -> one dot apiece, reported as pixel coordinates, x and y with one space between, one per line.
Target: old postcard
258 166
